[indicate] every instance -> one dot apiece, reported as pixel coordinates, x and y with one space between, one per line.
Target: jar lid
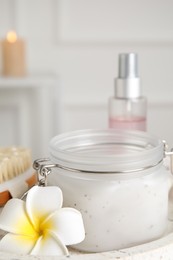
106 150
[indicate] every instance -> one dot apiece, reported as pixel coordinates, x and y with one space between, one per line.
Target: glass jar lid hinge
43 170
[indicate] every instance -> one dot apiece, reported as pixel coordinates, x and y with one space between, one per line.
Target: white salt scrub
117 181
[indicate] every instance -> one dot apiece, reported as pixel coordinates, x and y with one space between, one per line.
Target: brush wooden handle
5 195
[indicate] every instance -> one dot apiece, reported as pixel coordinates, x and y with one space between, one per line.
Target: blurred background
71 57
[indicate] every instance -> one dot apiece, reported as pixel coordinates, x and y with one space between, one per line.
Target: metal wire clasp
43 170
44 167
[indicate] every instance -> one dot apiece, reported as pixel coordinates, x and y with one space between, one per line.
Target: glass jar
118 182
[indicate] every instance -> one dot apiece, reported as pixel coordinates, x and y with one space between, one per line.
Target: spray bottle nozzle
127 85
128 65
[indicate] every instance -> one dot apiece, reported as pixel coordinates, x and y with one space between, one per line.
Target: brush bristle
13 162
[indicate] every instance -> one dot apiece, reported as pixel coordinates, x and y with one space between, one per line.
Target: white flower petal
67 224
17 244
14 219
41 201
49 245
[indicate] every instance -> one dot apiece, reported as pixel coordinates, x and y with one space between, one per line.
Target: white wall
80 40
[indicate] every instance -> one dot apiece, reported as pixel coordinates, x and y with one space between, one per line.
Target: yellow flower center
28 229
44 227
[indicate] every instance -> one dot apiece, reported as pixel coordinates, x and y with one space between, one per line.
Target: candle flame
11 36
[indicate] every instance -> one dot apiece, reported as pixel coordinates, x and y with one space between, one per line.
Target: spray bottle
128 108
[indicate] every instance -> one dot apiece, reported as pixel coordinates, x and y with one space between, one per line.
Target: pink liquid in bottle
133 123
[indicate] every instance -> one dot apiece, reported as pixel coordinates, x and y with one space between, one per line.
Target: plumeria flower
40 226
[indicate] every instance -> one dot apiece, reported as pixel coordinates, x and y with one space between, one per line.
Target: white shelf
27 109
31 81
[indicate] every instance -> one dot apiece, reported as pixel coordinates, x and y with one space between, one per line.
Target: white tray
159 249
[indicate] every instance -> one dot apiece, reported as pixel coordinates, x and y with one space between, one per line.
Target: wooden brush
16 175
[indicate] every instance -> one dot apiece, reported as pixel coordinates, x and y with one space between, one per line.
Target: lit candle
13 55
